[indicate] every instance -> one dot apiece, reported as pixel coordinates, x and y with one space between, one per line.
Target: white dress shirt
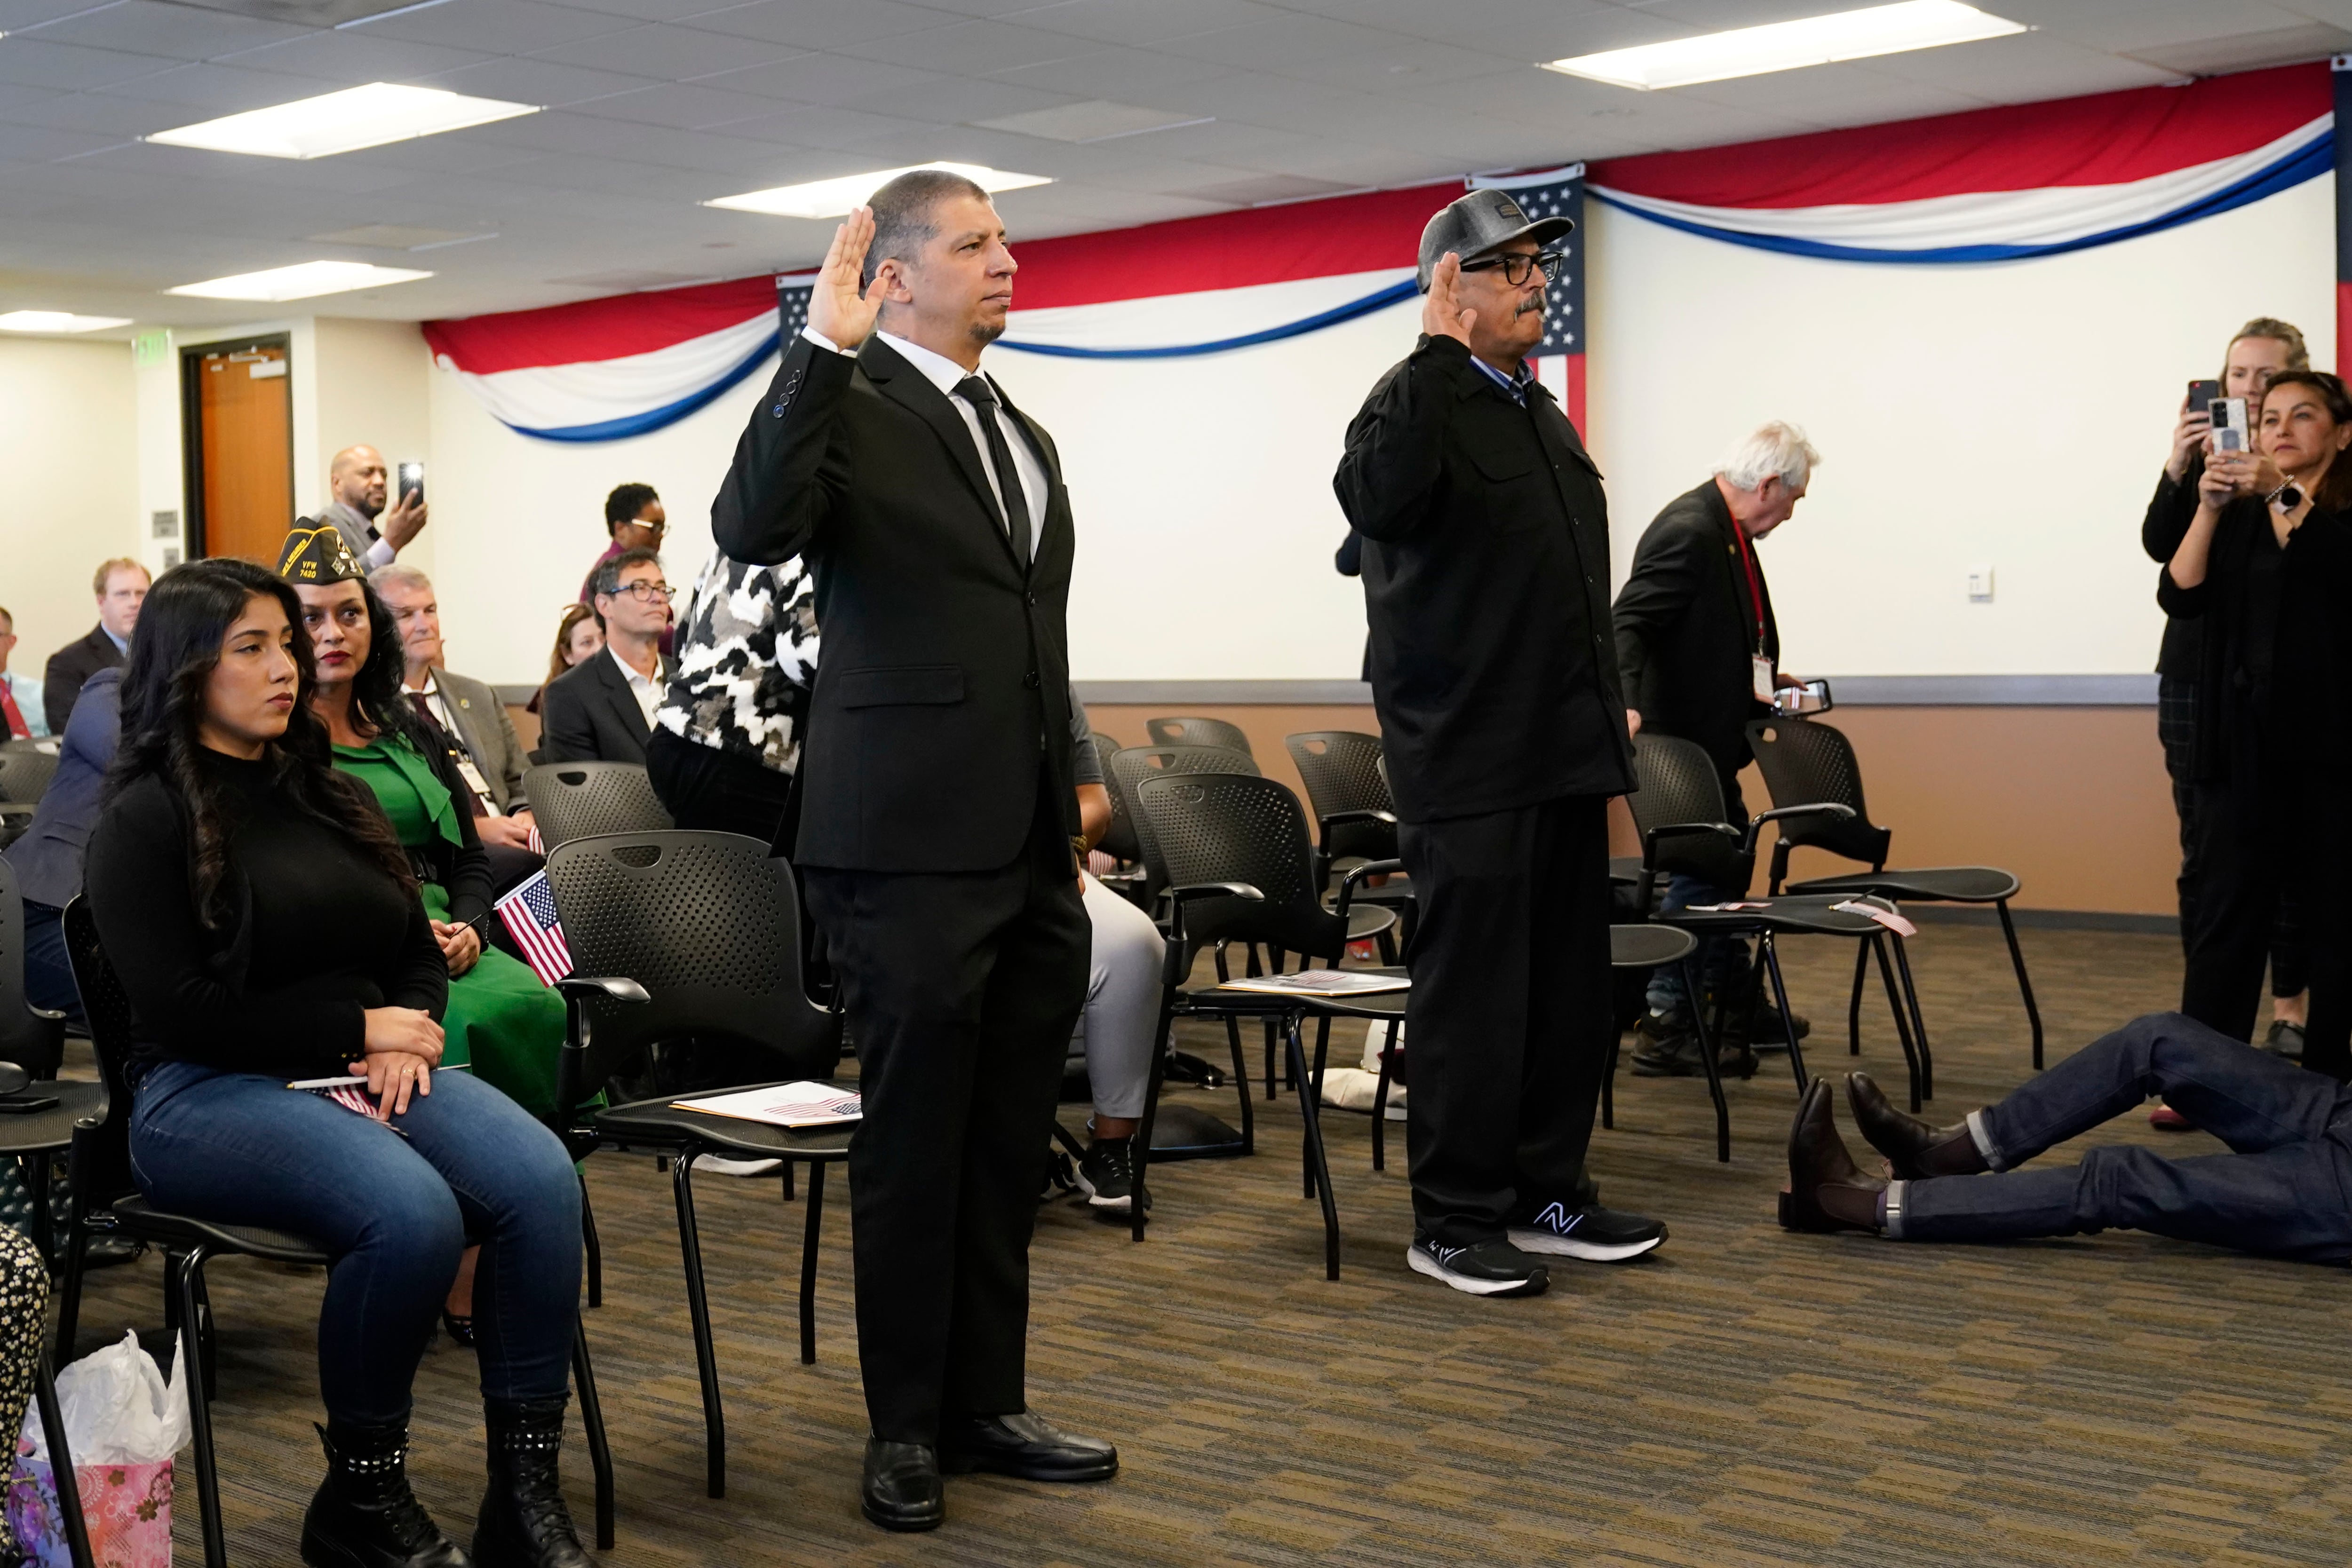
646 689
1028 469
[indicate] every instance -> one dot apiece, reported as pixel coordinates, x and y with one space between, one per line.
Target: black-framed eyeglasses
1515 265
646 592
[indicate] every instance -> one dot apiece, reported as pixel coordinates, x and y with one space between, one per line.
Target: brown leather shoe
1913 1149
1826 1190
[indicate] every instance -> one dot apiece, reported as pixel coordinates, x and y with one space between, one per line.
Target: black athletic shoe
1106 1174
1594 1234
1489 1268
2284 1039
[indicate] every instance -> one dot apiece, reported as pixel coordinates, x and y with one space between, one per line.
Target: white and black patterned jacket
746 658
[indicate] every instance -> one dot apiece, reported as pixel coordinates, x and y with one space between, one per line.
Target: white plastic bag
118 1408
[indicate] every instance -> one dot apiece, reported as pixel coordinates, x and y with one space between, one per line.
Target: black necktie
976 392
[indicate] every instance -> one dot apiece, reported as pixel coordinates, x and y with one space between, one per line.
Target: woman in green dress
501 1021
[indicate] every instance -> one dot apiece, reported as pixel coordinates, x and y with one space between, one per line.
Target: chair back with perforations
101 1154
25 770
575 800
1131 766
1341 770
1678 785
1804 760
709 925
1197 732
1119 840
1234 827
34 1041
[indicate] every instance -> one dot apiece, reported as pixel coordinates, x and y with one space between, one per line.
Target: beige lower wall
68 444
2072 799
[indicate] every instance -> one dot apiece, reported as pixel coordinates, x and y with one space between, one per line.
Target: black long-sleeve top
1485 569
317 933
2274 672
2169 512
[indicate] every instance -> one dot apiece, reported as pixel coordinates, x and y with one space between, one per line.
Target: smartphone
2201 393
1814 696
2228 423
412 482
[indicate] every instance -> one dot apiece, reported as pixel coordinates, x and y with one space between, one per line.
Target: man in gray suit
355 483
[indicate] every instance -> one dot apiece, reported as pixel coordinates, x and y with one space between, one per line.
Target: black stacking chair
1197 732
574 799
32 1048
1645 947
106 1199
1118 839
1678 809
61 1463
1354 816
1241 869
26 769
1131 766
1805 759
677 934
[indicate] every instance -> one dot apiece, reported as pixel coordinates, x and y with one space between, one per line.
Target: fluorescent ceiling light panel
344 121
58 321
299 282
832 198
1787 46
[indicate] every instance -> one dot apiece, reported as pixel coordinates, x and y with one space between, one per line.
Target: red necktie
17 729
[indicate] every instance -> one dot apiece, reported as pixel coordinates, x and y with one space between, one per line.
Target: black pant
1509 1020
2175 731
707 790
962 988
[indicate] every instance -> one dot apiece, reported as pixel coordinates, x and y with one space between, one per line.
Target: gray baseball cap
1477 224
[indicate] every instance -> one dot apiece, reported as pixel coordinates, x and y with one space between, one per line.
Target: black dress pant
1509 1022
707 790
962 990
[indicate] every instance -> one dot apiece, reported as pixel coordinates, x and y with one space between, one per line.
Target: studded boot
364 1515
524 1522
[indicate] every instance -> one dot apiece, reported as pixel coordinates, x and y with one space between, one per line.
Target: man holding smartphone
2263 347
356 482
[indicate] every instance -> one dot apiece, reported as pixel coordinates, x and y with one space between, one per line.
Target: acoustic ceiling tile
68 67
1145 22
678 105
970 48
824 79
178 32
497 27
823 23
538 82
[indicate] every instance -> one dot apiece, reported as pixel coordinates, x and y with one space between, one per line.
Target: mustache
1537 303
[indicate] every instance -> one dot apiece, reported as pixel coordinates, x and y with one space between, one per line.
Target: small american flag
538 844
350 1096
529 914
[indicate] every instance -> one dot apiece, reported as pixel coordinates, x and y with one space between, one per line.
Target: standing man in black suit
1699 653
122 587
1485 571
938 809
602 708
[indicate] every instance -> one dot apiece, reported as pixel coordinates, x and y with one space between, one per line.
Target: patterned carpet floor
1743 1396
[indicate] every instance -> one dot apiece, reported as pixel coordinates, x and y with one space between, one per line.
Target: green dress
499 1019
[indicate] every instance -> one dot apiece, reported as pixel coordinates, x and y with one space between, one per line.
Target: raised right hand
839 311
2188 438
409 1030
1442 314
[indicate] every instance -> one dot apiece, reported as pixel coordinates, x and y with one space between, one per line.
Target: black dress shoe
1826 1191
1914 1150
1025 1445
901 1490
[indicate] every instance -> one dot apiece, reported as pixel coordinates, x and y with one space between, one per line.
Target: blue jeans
2281 1191
394 1211
1720 963
48 975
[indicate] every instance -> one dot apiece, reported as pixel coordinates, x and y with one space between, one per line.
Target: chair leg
61 1465
1902 1025
1242 1082
1315 1084
1310 1114
1707 1062
789 1193
189 1274
1381 1103
2024 986
1918 1021
706 1360
810 1236
1853 1002
1386 942
69 1288
591 1417
595 1248
45 1223
1769 955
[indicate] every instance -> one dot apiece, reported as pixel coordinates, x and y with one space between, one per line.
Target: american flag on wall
1560 358
530 918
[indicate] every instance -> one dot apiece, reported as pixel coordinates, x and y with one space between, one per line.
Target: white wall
67 419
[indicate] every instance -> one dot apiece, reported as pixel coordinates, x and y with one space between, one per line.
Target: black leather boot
523 1521
364 1515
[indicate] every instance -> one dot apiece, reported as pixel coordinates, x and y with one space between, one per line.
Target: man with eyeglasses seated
602 709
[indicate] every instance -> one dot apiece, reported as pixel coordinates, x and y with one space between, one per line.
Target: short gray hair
1777 451
391 574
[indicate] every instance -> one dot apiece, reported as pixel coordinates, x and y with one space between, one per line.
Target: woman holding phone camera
2264 567
265 925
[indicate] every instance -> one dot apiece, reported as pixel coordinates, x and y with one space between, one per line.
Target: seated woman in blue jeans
266 926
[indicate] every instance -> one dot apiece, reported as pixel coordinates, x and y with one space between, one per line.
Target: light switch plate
1980 585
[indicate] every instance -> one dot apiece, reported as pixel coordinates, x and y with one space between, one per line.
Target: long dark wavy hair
379 704
2334 491
182 626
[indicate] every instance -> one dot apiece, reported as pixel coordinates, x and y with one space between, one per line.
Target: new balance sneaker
1594 1234
1489 1268
1106 1174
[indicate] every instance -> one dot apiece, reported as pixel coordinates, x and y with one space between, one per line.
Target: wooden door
241 478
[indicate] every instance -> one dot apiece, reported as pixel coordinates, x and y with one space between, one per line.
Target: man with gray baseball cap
1485 572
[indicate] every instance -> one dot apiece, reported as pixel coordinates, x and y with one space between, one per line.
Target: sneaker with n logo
1594 1234
1489 1268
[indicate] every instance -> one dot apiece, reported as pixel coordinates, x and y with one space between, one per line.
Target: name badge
1760 674
477 783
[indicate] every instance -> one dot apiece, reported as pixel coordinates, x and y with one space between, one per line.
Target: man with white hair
1699 656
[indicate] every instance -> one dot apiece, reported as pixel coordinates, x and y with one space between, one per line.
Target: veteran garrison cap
315 553
1475 224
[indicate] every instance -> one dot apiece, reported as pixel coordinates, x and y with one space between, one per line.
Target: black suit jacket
69 667
589 715
942 705
1686 628
1485 569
